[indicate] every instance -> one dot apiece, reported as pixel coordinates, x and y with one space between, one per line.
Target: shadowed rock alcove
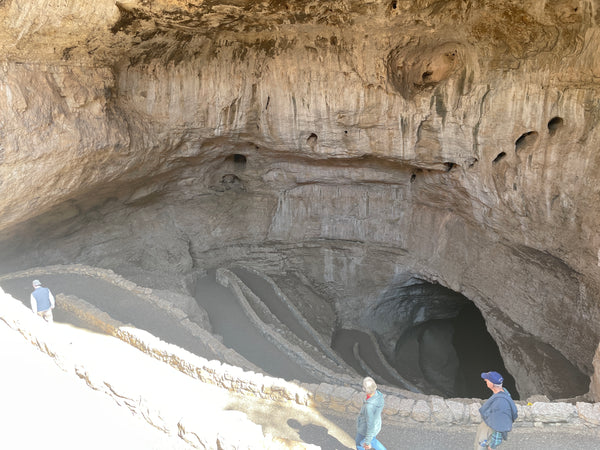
437 339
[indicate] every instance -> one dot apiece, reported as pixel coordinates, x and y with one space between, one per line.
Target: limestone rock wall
357 143
60 136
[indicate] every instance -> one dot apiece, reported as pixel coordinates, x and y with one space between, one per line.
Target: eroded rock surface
355 144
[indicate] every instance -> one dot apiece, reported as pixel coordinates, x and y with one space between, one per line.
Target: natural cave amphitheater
429 170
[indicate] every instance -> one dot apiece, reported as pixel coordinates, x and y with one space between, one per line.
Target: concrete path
327 430
64 413
426 437
71 416
119 303
343 342
266 293
229 320
43 407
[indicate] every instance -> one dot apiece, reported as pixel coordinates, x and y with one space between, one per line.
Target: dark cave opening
439 341
477 352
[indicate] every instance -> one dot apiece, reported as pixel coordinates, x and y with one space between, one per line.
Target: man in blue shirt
42 301
498 414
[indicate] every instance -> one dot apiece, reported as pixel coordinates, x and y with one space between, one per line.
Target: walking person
368 423
42 301
498 414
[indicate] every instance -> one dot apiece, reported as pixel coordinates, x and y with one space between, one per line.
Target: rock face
358 144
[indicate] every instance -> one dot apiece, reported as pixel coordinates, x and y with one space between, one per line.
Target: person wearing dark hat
498 414
42 301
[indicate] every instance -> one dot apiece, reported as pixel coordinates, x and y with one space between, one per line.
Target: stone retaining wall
402 406
323 346
228 279
100 364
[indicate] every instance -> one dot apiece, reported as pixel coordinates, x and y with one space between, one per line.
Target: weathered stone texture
357 143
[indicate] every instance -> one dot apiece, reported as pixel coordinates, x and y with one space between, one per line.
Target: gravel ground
408 437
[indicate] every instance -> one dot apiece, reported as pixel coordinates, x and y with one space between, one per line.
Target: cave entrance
438 340
477 352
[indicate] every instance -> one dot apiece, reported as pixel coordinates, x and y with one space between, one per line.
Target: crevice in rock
426 76
239 160
499 157
449 166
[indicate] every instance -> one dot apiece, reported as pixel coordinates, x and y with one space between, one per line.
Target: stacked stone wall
401 406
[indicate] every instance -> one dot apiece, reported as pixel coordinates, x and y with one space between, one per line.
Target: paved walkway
71 416
44 407
68 415
119 303
229 321
329 431
427 437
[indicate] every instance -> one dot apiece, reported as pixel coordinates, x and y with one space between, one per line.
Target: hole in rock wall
526 140
312 140
476 349
437 339
554 125
239 160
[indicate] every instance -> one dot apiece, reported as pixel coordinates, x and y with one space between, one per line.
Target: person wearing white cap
368 423
42 301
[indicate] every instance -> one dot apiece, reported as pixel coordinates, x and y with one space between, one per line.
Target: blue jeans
375 444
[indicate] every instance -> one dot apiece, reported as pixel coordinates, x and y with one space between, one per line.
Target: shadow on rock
316 435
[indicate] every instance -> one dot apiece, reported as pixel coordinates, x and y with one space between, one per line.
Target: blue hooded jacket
499 411
369 419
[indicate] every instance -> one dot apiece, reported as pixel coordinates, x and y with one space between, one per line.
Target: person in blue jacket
42 301
498 414
368 423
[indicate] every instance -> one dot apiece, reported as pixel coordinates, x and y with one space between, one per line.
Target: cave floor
77 414
326 429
